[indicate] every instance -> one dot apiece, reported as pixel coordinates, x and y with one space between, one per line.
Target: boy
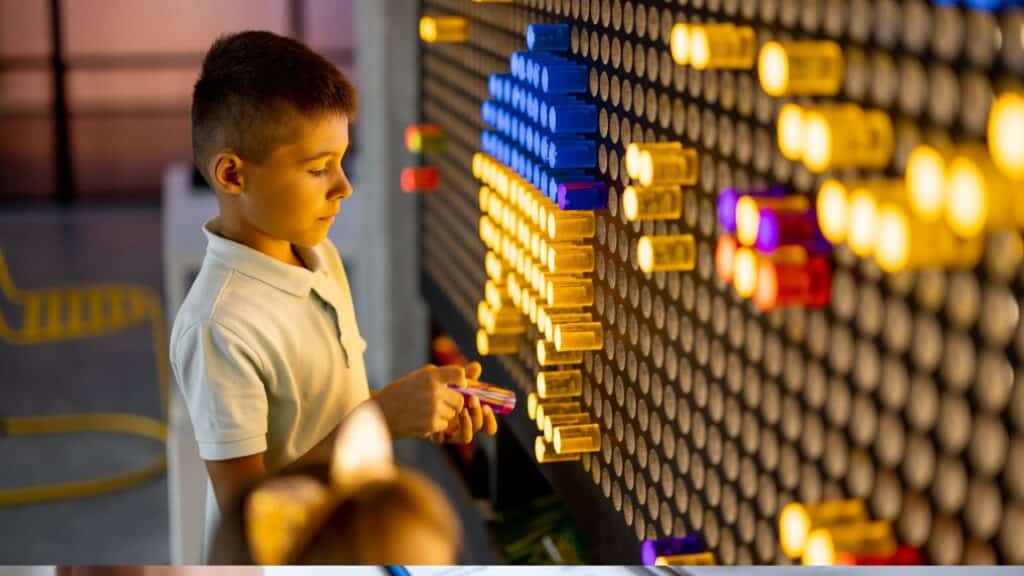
265 346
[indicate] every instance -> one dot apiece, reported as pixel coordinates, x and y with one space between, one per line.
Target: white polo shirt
267 355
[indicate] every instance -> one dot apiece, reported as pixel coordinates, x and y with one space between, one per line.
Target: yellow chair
77 312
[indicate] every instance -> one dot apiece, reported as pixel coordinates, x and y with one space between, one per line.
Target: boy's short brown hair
250 84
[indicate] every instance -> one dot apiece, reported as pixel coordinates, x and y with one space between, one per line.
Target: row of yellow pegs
660 169
536 262
839 532
566 430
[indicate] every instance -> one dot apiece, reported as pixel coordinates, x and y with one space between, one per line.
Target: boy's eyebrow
323 153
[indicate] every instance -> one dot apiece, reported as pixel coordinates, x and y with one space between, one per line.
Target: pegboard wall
905 391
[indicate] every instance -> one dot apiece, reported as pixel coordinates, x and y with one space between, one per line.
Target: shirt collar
292 279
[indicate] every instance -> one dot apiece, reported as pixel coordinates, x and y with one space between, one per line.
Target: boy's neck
240 232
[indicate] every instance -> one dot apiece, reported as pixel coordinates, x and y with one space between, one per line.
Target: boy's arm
230 477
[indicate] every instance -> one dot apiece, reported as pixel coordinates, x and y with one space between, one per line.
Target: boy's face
296 192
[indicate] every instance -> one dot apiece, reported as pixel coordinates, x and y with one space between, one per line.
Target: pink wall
128 121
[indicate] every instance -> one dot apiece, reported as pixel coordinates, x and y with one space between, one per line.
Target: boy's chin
312 238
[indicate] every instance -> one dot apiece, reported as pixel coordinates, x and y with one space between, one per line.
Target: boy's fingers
473 371
452 399
465 434
476 414
490 426
451 375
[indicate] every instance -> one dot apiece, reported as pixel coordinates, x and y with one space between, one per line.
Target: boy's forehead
306 135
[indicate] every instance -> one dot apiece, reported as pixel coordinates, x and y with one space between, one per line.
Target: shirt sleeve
220 379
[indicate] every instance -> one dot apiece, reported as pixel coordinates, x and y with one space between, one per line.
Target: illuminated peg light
444 29
553 421
545 453
782 283
846 136
423 179
532 403
496 344
657 203
824 545
906 243
581 336
864 205
559 384
570 259
484 197
725 256
1005 129
564 226
569 292
666 253
478 164
495 296
548 355
500 321
728 198
926 181
781 228
744 272
979 197
698 559
833 208
577 439
749 209
634 149
679 43
797 520
545 409
650 550
722 47
800 68
547 321
494 267
487 232
790 132
421 138
666 166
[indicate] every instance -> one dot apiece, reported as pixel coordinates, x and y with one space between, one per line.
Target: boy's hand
420 403
472 419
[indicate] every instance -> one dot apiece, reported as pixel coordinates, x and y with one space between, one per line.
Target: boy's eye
320 172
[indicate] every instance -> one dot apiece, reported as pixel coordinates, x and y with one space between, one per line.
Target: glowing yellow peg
906 243
532 403
846 137
570 259
477 164
566 292
546 454
801 68
680 44
570 225
865 203
926 180
744 276
698 559
495 296
548 355
452 29
559 384
489 344
580 336
667 166
551 321
868 538
634 149
722 46
979 197
1006 134
655 203
545 409
553 422
582 438
833 210
790 132
797 520
666 253
494 267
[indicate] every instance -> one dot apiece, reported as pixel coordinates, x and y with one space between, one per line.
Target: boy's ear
226 171
362 450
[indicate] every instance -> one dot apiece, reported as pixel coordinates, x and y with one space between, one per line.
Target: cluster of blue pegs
542 123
